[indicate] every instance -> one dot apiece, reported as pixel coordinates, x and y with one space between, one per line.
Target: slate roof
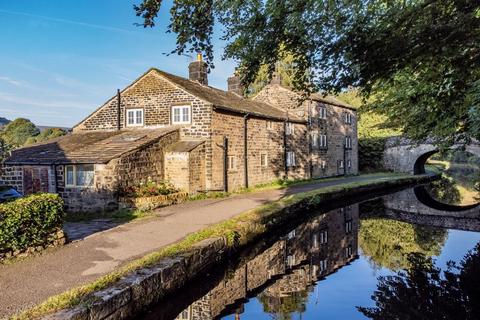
89 147
331 100
229 101
185 145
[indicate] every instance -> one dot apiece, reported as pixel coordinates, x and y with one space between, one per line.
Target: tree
422 292
45 135
419 59
17 132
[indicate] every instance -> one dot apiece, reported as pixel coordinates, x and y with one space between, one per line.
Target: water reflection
460 181
282 274
423 291
279 274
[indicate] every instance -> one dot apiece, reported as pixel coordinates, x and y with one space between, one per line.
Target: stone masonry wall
261 139
156 96
128 170
197 169
12 176
334 127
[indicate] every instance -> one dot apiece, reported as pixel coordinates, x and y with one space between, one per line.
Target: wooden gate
35 179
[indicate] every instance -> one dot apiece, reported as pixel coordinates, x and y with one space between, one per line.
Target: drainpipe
344 158
285 148
245 148
225 164
309 139
119 103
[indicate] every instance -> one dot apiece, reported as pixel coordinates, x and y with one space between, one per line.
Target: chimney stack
198 70
276 78
235 85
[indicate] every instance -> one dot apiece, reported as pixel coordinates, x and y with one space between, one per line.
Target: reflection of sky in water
337 295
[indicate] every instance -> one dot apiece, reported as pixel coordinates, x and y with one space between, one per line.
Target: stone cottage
165 127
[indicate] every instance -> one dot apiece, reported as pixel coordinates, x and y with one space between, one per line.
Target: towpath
31 281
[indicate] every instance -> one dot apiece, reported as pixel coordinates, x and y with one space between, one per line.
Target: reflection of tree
284 306
387 243
423 292
444 190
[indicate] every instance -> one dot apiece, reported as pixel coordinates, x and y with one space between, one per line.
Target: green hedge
370 154
30 221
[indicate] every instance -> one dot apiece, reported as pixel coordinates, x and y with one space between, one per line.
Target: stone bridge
405 156
415 205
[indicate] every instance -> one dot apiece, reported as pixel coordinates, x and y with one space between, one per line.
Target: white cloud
14 99
11 81
72 22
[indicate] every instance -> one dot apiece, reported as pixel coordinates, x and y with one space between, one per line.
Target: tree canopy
21 132
419 59
17 132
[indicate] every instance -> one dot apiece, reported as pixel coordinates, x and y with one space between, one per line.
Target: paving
33 280
80 230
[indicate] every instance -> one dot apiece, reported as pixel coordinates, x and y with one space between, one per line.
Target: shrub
370 154
30 221
149 189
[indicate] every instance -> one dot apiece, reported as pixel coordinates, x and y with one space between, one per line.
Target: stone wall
156 96
197 169
334 127
12 176
263 137
129 170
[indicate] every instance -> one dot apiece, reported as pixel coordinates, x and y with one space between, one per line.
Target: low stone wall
147 286
142 288
56 239
150 203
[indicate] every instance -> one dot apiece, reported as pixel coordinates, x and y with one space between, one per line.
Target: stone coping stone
144 287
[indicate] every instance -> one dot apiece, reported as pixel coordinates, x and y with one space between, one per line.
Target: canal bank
115 302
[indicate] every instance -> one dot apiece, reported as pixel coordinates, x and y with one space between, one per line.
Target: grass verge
238 231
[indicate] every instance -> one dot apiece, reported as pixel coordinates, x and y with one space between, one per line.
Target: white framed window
135 117
323 237
181 115
315 139
290 260
81 176
322 141
348 226
290 159
348 252
323 164
231 163
349 164
270 125
290 128
263 160
348 142
322 112
315 243
323 265
340 164
348 118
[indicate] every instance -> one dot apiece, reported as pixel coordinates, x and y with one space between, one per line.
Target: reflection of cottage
201 138
283 275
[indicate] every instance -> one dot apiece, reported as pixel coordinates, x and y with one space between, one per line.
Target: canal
330 264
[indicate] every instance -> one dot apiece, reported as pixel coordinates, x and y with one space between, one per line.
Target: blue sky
61 59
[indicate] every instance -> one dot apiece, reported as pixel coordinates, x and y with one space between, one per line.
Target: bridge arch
405 156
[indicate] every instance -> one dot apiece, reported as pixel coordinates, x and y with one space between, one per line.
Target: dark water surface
328 265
